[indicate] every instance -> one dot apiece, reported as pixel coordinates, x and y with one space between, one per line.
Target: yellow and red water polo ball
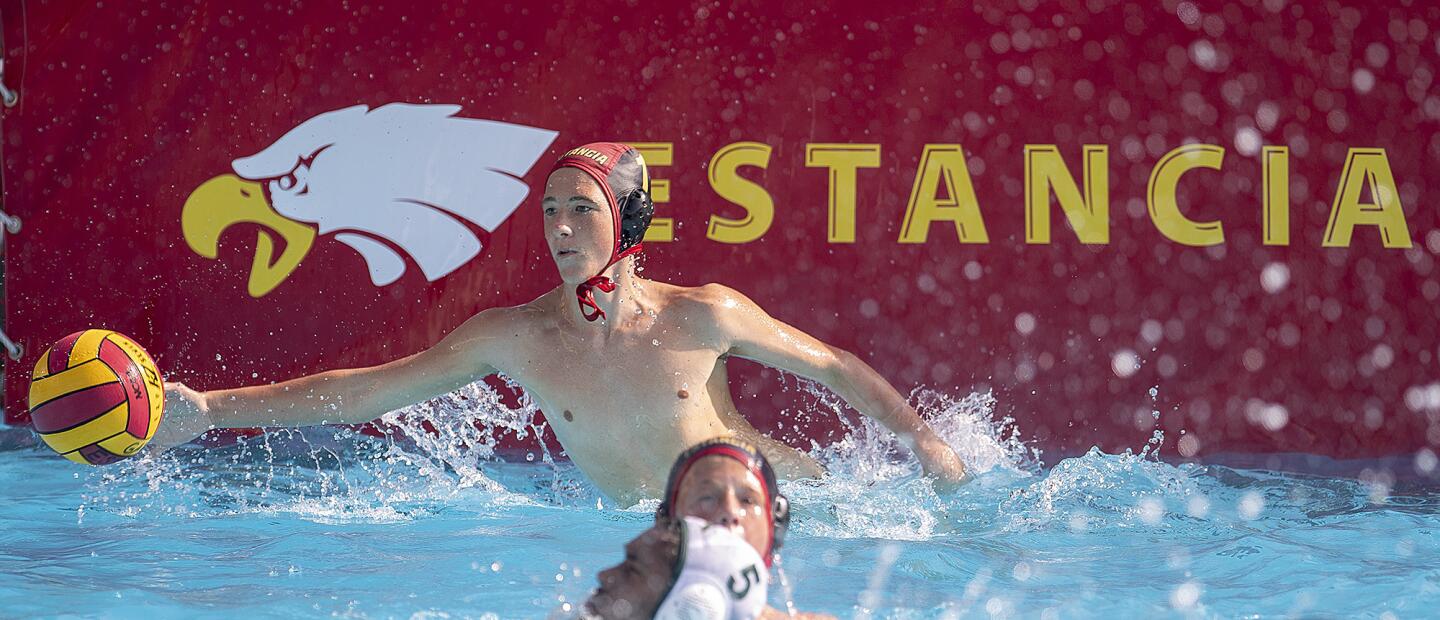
96 397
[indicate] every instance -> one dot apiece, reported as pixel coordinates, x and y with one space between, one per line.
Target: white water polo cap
719 576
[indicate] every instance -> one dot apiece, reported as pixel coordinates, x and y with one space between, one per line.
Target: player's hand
939 460
187 416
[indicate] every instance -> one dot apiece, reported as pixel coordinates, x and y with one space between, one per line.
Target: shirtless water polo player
629 371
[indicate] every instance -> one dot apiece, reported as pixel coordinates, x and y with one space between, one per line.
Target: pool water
329 522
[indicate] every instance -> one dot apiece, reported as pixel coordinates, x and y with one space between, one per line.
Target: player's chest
618 370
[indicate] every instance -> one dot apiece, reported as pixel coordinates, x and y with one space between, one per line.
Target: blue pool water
331 523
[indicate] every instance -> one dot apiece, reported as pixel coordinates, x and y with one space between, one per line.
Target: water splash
1014 536
441 454
1157 439
1099 489
874 487
431 454
870 453
787 591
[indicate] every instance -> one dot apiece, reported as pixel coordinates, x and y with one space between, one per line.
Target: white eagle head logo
400 178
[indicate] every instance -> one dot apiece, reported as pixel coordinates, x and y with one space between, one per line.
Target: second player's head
729 483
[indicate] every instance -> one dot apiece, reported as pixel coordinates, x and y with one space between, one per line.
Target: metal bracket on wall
11 222
12 349
7 96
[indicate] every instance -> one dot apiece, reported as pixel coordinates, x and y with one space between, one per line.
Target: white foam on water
442 453
435 452
1118 490
874 487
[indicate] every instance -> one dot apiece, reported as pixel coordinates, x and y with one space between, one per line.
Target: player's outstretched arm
749 332
348 396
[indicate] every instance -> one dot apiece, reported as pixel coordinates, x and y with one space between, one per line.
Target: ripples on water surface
328 522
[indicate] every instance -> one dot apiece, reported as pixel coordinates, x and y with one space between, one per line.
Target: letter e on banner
658 154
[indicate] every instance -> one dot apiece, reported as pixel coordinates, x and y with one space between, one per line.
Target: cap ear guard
780 507
636 210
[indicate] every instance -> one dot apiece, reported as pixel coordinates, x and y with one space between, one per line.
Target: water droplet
1274 277
1025 323
1125 363
1426 461
1248 141
1362 80
1185 596
1152 510
1251 505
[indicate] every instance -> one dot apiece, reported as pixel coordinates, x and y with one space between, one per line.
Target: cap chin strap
585 292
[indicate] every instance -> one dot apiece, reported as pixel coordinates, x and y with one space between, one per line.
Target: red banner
1068 203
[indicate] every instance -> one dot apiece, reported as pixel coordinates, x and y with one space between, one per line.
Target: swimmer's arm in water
348 396
748 331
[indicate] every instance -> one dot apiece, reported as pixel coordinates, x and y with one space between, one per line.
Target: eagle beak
227 200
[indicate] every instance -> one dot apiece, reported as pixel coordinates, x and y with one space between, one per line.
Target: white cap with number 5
719 576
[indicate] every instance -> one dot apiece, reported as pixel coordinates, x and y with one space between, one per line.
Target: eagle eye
299 176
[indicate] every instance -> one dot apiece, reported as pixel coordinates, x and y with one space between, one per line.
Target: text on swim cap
600 158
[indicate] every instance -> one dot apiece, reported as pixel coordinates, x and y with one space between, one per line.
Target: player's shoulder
714 301
712 295
506 320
